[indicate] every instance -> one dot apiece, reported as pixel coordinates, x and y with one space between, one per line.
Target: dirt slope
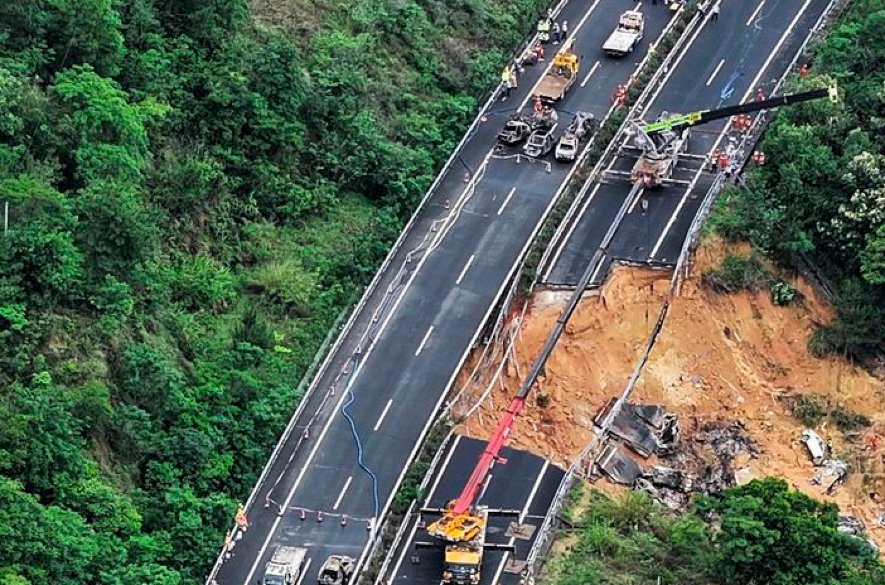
720 357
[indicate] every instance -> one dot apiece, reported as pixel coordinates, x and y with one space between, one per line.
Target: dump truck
561 76
284 567
337 570
627 35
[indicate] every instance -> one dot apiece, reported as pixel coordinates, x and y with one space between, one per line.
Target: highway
392 366
749 46
526 483
744 54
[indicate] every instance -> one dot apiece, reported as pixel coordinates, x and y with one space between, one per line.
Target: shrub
809 409
737 273
783 293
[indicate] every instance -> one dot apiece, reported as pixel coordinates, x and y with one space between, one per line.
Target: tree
770 534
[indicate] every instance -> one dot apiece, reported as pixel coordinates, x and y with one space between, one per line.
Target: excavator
661 143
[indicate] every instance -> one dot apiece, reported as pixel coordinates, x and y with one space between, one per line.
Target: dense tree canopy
194 196
761 532
821 196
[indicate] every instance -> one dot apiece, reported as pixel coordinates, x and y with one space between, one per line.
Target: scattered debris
831 474
629 427
617 465
816 446
851 525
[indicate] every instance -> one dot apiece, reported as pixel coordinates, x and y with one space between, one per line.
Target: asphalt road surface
525 483
430 316
749 46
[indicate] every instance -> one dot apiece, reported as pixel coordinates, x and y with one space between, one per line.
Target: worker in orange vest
760 94
620 95
723 160
538 106
241 519
803 71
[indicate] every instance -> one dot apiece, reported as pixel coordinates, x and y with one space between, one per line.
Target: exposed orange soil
727 357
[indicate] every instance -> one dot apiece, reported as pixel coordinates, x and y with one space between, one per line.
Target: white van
285 566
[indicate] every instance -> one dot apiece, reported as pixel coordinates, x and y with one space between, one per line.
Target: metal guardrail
368 292
690 242
637 106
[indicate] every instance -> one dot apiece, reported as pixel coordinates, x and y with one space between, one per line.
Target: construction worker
714 160
564 29
714 13
539 49
544 29
513 82
803 71
556 33
505 80
723 160
760 94
759 157
620 95
241 519
538 106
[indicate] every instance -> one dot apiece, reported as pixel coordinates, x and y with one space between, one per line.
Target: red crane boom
488 458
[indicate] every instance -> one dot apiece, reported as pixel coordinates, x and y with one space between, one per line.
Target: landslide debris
732 368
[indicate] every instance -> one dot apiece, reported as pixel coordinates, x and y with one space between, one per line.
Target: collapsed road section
335 471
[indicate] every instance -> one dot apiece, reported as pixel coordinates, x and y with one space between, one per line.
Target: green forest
196 191
819 201
759 533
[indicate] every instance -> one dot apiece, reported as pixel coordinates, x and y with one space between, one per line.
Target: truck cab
462 565
284 567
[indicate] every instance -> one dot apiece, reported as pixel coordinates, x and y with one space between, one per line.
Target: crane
663 141
462 523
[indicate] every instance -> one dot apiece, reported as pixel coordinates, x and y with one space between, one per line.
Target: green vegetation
812 409
758 533
194 198
821 196
737 273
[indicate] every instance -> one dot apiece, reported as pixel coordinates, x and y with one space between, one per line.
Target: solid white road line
381 329
636 200
465 269
441 469
424 341
439 475
522 516
592 71
383 414
715 71
506 200
572 229
343 491
755 13
304 571
722 134
673 67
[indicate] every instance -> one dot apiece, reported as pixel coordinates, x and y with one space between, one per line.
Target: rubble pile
707 463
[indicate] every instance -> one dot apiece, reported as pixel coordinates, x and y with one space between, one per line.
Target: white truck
285 566
628 34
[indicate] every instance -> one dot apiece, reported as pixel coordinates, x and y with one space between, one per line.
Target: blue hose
359 450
